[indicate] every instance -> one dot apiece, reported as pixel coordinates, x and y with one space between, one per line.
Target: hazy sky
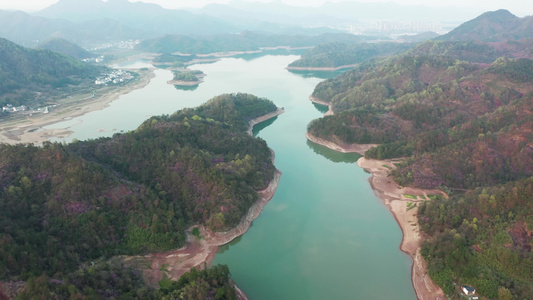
518 7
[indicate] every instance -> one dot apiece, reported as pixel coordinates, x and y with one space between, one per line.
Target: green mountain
461 118
67 48
65 206
244 41
494 26
24 71
412 104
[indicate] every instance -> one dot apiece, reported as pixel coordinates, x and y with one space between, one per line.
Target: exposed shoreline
184 83
29 130
263 118
322 102
394 198
202 250
327 69
353 148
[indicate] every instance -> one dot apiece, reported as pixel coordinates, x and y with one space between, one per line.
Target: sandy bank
347 148
394 197
30 129
322 102
263 118
184 83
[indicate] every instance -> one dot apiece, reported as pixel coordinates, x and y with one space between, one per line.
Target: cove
324 235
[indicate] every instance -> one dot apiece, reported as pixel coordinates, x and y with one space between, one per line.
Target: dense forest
416 105
65 206
339 54
24 73
459 112
113 280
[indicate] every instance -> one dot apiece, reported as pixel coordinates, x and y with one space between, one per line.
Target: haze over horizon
517 7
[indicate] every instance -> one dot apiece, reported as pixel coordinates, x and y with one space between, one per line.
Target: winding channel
324 235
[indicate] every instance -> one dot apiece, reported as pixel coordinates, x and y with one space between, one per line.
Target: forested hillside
24 71
66 47
244 41
461 114
62 206
417 104
336 54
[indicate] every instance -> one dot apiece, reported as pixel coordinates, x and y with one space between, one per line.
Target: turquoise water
324 235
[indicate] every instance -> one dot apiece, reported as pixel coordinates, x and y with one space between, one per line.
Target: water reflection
186 87
162 66
257 128
226 247
334 156
321 107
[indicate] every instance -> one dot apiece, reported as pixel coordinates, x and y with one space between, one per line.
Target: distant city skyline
520 8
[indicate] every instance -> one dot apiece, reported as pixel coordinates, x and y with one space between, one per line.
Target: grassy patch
196 232
410 196
434 197
165 283
410 205
387 167
164 267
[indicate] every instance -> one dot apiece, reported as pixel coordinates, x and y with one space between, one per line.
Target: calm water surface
324 235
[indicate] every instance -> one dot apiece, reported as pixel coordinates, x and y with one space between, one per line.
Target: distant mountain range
142 16
92 22
29 30
245 41
334 14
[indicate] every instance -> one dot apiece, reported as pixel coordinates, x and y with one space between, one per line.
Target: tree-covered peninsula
459 113
337 54
66 209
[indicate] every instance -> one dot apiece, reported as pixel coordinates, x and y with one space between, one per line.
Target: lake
324 235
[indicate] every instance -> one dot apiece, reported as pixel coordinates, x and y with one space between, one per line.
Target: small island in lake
187 77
